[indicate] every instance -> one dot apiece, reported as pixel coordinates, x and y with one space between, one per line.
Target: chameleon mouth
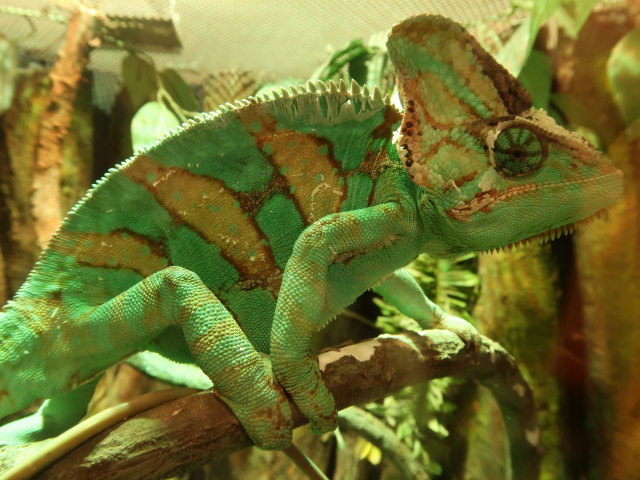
549 235
484 201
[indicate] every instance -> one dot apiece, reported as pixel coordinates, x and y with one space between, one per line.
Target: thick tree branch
199 429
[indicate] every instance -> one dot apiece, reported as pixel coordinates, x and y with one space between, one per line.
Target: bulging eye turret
518 151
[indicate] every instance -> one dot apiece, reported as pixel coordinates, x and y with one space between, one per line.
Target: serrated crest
355 88
377 94
343 87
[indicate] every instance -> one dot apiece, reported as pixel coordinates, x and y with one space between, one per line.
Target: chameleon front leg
402 291
241 374
304 306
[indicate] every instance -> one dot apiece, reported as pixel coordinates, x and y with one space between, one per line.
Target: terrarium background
278 37
567 311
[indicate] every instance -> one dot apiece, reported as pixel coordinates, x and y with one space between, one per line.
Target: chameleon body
236 238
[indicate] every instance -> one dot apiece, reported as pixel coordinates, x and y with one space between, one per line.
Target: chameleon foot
463 329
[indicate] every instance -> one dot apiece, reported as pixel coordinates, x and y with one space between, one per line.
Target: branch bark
198 429
65 76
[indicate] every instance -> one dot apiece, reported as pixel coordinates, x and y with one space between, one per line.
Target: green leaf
376 69
541 12
343 58
179 90
536 76
139 77
623 72
514 53
436 427
151 122
404 430
358 69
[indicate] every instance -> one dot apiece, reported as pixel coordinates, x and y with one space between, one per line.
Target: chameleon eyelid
494 134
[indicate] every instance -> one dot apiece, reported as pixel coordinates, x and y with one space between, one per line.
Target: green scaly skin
235 239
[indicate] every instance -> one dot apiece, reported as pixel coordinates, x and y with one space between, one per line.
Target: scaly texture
232 241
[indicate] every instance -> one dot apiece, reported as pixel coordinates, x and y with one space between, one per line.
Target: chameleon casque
237 237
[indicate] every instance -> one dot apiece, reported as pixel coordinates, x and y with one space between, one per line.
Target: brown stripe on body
251 202
121 249
391 116
305 162
374 162
209 209
32 311
460 181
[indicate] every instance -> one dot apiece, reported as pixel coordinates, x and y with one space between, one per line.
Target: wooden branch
65 76
198 429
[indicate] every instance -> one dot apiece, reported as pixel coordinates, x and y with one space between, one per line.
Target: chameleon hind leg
241 374
54 416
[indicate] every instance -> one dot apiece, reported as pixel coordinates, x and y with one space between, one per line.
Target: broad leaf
536 76
514 53
179 90
151 122
139 77
541 12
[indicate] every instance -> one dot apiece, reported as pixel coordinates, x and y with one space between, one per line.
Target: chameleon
234 239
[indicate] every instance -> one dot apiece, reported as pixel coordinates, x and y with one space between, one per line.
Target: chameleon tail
54 417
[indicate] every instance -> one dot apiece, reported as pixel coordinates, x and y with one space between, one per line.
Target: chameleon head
494 171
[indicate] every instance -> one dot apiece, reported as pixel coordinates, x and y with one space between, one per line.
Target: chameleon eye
518 151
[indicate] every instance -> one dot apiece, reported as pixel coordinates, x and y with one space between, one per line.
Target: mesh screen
284 38
279 38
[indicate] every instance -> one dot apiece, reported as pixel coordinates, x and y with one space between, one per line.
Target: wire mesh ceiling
279 37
